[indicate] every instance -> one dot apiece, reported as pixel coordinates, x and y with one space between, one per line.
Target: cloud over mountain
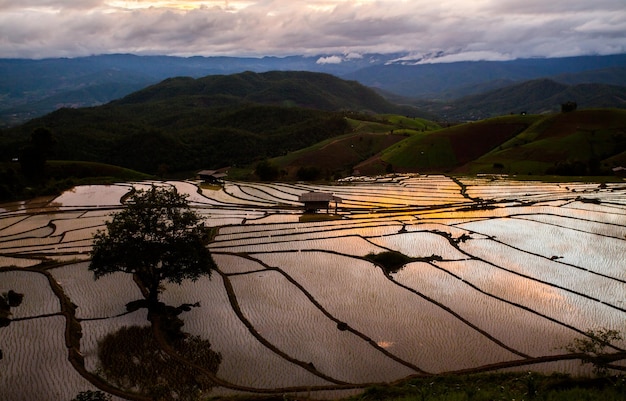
488 29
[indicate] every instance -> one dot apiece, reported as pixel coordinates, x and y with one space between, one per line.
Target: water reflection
514 279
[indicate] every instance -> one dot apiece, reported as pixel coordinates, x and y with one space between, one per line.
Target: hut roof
318 197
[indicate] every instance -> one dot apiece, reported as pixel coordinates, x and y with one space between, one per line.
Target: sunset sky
458 29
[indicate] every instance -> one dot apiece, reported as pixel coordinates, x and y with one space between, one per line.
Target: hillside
314 125
303 89
351 153
32 88
450 148
532 97
189 124
587 142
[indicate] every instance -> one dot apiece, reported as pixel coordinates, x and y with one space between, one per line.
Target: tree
594 347
267 171
308 173
33 156
8 300
158 238
568 107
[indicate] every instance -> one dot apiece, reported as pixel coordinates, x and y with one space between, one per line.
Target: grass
500 386
422 152
583 136
412 123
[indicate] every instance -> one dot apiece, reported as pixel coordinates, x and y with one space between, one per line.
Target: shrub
390 261
92 396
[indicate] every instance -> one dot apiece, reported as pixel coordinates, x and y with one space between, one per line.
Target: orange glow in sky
179 5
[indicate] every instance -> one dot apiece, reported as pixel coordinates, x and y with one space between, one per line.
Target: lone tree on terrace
158 238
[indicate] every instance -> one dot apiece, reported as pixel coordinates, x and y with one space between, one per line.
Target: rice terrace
500 275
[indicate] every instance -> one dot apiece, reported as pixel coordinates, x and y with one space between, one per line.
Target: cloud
329 60
494 29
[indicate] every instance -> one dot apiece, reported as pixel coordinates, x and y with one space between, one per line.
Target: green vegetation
500 386
357 151
60 176
390 261
133 360
92 396
307 126
157 238
595 348
586 142
448 149
185 124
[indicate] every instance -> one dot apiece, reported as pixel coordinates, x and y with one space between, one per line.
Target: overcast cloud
459 30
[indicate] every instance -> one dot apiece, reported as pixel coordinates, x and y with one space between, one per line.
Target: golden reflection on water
507 304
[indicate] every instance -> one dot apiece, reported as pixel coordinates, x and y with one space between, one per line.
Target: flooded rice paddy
505 272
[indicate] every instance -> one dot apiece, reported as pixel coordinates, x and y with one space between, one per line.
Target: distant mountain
281 88
31 88
453 80
211 122
609 76
533 97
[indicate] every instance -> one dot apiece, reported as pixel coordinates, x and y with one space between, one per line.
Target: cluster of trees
186 124
177 135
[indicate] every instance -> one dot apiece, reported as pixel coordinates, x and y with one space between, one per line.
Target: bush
308 173
266 171
92 396
132 360
390 261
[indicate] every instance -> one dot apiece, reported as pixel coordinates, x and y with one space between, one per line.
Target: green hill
188 124
315 125
355 152
450 148
586 142
531 97
279 88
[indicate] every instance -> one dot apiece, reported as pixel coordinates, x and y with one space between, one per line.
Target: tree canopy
157 237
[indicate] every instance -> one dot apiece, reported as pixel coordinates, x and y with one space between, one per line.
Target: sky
452 29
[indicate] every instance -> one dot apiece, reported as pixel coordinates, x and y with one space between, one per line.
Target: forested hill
533 97
187 124
281 88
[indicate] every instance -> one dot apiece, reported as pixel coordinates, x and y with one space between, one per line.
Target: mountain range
219 120
314 125
31 88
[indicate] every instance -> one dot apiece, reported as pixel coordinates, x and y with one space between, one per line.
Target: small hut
211 176
314 201
619 171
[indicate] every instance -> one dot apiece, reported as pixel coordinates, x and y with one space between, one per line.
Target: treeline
173 136
184 124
